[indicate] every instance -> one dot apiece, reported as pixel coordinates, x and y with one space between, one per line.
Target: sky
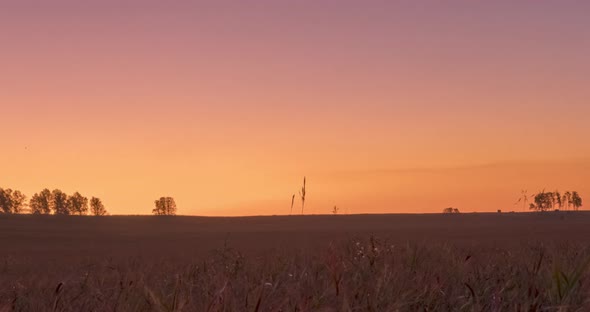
385 106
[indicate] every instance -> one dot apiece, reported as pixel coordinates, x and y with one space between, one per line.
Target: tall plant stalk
302 194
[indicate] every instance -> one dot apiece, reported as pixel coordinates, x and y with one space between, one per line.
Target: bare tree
292 203
165 206
96 207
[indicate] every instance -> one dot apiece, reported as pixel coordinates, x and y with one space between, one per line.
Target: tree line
50 202
544 201
59 203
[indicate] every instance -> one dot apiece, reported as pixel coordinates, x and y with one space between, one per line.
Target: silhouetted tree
532 206
78 204
551 199
35 204
450 210
567 199
165 206
576 200
96 207
543 201
558 200
5 200
41 202
11 201
18 201
59 203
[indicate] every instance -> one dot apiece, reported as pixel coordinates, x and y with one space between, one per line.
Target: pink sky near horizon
226 105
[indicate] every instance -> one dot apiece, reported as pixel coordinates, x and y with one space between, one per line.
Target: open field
467 262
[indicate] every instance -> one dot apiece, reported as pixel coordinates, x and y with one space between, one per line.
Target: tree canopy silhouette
96 207
165 206
567 199
544 201
11 201
77 204
450 210
576 200
41 202
59 202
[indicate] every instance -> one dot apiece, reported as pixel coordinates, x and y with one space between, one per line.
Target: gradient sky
386 106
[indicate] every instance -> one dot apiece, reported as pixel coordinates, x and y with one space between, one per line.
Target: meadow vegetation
467 262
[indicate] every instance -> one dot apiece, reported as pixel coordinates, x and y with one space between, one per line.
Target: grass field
466 262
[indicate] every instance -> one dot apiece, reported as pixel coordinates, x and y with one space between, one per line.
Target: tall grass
302 193
360 274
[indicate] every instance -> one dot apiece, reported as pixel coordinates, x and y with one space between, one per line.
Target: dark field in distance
396 262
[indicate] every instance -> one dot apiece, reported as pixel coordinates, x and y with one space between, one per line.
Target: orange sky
225 105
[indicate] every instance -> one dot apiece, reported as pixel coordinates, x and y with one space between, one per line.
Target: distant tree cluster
50 202
165 206
451 210
544 201
11 201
